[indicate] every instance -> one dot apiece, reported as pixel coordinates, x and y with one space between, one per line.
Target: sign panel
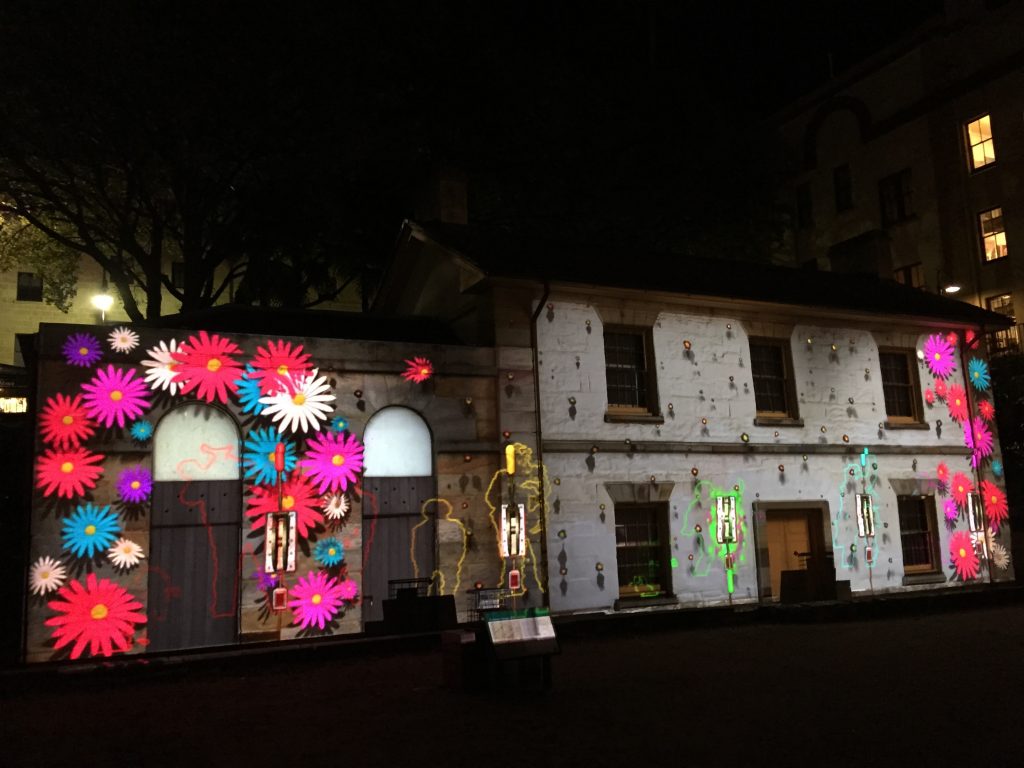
865 516
513 530
725 523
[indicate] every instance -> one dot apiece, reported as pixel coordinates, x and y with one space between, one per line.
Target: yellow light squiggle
465 543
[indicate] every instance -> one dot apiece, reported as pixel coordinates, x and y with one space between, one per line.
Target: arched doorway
194 531
398 478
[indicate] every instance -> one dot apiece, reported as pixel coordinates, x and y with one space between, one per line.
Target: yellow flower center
44 575
963 552
127 549
316 599
272 456
67 467
116 395
67 420
424 371
938 356
994 499
213 364
83 351
337 460
282 369
136 485
298 398
90 529
332 551
958 401
172 365
288 502
99 611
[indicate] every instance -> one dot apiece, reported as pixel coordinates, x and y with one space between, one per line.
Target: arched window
196 442
398 444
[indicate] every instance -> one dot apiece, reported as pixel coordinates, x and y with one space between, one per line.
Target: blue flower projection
329 552
89 530
249 393
141 431
258 455
997 468
977 372
339 424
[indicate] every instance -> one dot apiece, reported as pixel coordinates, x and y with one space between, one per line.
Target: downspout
539 449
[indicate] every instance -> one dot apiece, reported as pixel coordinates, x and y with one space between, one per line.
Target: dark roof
499 253
324 324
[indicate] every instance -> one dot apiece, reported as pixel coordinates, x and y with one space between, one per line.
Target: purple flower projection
951 511
82 350
978 437
135 484
939 355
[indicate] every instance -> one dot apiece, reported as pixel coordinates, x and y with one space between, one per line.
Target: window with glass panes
771 366
900 385
918 534
1004 341
993 235
981 149
626 368
641 550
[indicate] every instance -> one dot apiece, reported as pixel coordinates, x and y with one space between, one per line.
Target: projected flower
939 355
986 409
123 339
134 484
956 402
47 575
333 460
258 455
276 365
329 552
125 554
964 558
348 590
929 397
69 473
339 424
317 600
940 389
981 441
141 431
942 472
114 395
248 392
162 367
101 615
302 405
952 339
961 486
335 506
82 350
977 372
89 529
996 508
418 369
1000 557
296 495
206 366
265 581
64 422
949 509
997 468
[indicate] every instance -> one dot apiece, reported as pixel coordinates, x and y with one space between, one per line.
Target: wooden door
789 544
398 537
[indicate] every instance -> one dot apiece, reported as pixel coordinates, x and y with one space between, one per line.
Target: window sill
986 262
907 425
627 603
777 421
636 418
923 578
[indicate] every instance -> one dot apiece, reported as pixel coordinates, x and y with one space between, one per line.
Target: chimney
443 198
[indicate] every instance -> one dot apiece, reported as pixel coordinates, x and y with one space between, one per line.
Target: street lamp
103 302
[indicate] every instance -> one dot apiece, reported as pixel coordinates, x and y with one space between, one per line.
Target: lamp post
103 302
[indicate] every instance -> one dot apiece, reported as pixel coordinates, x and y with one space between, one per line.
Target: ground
785 688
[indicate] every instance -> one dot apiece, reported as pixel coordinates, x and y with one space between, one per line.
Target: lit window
911 275
641 550
30 287
980 146
1005 341
918 534
772 367
993 235
629 370
900 386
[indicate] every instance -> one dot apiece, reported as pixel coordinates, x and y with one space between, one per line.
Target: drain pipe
539 449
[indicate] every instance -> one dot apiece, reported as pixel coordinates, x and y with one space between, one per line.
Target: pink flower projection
101 615
349 590
278 364
980 440
333 460
950 510
986 409
956 402
939 355
114 395
69 473
965 560
961 487
996 509
418 369
206 366
318 598
940 389
952 339
64 422
297 495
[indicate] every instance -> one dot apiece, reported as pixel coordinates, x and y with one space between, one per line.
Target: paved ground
939 686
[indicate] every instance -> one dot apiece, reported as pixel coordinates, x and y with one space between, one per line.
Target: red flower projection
956 402
297 495
942 472
961 486
929 397
64 423
101 615
965 560
69 473
986 409
996 509
206 365
940 389
419 369
277 364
